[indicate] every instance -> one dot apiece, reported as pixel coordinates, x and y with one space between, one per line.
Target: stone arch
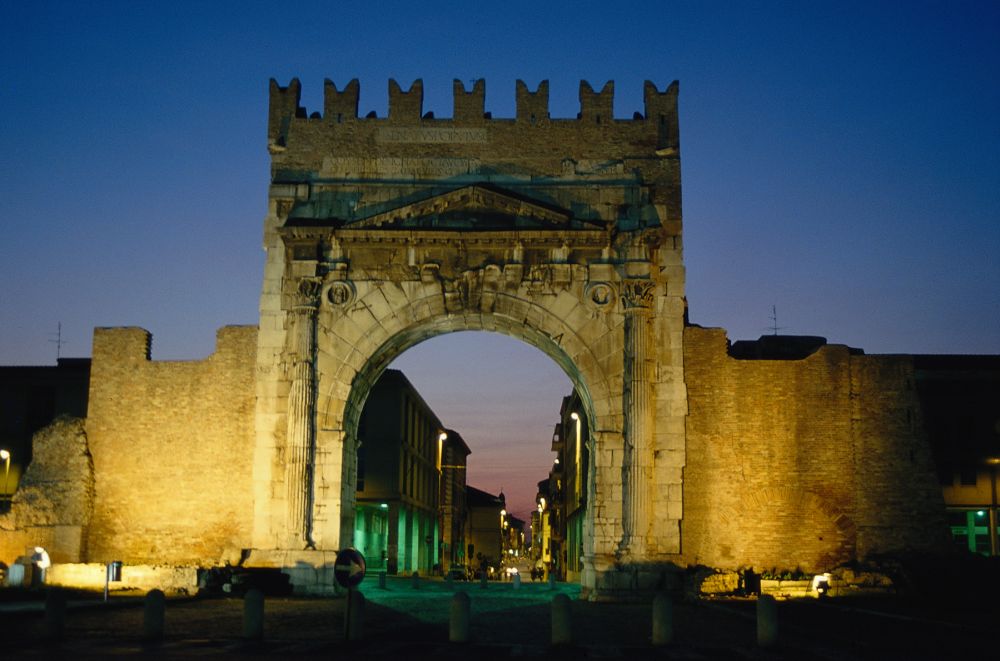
357 336
381 234
356 372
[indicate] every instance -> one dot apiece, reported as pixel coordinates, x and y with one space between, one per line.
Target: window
361 469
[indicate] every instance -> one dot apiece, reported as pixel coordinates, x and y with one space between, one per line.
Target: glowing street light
576 483
442 437
5 455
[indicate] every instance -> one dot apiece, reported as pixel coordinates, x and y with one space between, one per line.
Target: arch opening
386 529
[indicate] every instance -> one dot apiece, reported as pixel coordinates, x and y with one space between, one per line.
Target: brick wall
172 446
803 463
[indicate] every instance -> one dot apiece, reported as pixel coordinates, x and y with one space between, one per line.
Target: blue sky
841 161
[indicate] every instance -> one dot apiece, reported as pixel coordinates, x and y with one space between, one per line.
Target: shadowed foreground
407 623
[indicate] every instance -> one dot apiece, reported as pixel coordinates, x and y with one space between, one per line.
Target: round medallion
339 293
600 295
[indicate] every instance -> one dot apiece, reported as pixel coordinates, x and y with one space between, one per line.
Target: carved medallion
339 293
600 295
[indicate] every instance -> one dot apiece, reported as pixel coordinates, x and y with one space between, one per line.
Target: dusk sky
840 161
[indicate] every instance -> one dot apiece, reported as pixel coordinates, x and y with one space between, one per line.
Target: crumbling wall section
803 463
899 499
172 444
53 503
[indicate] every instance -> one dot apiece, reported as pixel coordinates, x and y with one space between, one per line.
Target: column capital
638 293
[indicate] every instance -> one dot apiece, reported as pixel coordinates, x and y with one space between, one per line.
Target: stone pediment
474 207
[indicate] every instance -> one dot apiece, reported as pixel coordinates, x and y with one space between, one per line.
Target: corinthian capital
307 293
638 293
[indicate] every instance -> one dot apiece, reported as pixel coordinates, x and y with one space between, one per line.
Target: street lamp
576 483
5 455
442 437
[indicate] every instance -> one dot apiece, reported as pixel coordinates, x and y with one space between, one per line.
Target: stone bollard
458 626
153 611
663 619
381 580
415 581
517 581
253 614
483 580
55 614
562 621
354 618
767 621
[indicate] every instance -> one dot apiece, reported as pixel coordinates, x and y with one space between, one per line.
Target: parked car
458 573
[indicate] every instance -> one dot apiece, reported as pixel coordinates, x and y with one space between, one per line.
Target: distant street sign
349 568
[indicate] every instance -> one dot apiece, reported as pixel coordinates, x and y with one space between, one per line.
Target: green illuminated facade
398 485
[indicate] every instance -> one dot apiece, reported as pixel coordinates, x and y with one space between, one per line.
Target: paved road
406 623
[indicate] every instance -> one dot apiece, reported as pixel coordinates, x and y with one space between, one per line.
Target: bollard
381 580
517 581
562 621
458 626
354 619
253 614
55 614
552 581
767 620
415 581
663 619
482 580
449 581
152 615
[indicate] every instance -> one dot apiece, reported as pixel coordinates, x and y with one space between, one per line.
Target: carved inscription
429 135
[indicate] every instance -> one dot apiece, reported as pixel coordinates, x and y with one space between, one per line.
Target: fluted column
300 443
637 298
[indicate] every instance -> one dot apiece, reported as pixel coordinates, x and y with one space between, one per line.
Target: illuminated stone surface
563 233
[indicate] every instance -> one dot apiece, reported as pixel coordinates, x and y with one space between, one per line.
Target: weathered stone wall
899 499
134 578
803 463
564 233
52 505
172 447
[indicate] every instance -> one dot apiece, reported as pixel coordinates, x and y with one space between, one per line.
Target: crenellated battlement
532 108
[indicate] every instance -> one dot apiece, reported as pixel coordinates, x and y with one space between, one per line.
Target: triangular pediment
477 207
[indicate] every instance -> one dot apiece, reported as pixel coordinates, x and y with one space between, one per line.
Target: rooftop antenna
774 328
58 341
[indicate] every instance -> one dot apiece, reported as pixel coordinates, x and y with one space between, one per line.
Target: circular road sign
349 568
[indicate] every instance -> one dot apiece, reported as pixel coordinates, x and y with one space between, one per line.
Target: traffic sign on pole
349 568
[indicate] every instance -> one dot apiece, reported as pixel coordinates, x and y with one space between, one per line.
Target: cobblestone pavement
406 623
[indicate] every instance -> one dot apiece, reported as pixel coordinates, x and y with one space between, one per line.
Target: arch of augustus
563 233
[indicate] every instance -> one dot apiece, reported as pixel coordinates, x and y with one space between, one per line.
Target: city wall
803 463
790 463
52 505
172 448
